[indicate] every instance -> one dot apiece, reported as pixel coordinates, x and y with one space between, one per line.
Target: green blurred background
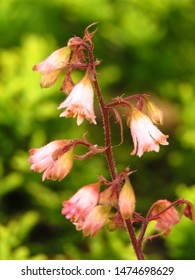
144 46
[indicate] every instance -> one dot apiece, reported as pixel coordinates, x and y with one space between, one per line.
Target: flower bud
67 85
115 222
155 114
189 211
127 200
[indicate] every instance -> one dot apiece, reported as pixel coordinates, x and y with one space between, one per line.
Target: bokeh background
144 46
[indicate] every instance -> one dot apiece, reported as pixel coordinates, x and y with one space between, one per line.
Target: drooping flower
167 219
52 66
51 159
81 203
80 102
126 200
95 220
146 136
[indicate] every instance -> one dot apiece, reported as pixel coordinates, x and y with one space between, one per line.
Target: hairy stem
136 245
107 135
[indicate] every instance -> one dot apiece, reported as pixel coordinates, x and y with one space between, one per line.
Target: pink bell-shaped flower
167 219
52 66
81 203
146 136
51 159
80 102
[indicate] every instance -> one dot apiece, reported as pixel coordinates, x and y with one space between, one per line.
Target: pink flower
95 220
79 205
52 66
51 158
146 136
80 102
167 219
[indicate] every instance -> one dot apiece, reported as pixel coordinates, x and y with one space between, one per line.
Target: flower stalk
90 208
109 153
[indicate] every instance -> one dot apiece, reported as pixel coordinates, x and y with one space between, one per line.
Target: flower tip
35 68
45 85
63 114
79 119
43 178
133 153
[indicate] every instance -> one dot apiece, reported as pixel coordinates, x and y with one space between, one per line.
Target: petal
50 78
57 60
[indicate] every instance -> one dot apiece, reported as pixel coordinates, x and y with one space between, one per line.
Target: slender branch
124 101
143 230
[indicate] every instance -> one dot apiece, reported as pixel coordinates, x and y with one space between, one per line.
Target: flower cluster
89 209
80 99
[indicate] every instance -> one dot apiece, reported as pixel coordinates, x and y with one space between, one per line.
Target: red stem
108 152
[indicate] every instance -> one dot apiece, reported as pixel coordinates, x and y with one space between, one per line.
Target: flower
52 66
126 200
81 203
80 102
95 220
167 219
146 136
51 158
